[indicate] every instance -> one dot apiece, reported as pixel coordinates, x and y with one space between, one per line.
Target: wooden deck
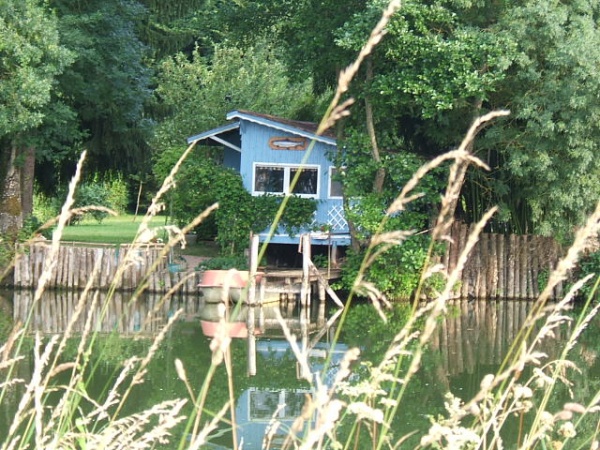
288 282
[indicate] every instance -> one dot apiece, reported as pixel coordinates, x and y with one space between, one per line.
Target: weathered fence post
305 289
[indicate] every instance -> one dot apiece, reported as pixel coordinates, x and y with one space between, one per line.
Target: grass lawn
122 229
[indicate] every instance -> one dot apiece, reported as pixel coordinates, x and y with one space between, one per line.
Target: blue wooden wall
255 149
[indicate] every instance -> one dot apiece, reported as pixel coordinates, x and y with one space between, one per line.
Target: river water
469 342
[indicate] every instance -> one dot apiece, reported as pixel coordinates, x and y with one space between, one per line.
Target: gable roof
296 127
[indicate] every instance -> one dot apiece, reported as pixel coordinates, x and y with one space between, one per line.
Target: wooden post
253 263
493 266
530 255
251 341
510 270
524 266
500 247
464 275
483 267
535 264
322 295
305 289
454 246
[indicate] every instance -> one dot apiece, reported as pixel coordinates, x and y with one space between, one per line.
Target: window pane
268 179
335 186
307 183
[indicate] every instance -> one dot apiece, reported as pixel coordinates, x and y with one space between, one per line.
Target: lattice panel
336 219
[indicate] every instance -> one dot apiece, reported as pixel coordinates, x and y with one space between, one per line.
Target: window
335 185
276 179
269 179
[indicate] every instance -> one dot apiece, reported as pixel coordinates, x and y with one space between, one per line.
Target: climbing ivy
201 181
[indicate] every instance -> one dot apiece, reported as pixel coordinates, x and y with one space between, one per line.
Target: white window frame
330 181
287 178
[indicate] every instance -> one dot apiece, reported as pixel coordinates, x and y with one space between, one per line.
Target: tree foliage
195 95
109 83
440 64
32 57
549 149
443 63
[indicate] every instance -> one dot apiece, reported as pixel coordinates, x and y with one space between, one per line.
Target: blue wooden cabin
267 151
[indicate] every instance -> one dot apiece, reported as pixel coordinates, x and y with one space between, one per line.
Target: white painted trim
329 181
281 127
226 144
286 178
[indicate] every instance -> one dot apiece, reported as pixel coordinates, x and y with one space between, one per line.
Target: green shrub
117 188
92 194
44 207
225 263
589 264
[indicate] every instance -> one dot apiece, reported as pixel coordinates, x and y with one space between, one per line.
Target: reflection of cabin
268 151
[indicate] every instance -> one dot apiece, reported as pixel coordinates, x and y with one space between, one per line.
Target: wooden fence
124 266
503 266
499 266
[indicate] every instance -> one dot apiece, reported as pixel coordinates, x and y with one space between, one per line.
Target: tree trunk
354 241
11 212
27 178
380 174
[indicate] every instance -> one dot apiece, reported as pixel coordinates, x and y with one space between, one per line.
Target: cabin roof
215 132
296 127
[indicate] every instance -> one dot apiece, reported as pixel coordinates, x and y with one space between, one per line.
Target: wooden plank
536 267
465 273
510 278
524 268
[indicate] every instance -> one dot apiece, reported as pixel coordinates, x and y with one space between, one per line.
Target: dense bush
202 181
590 264
109 191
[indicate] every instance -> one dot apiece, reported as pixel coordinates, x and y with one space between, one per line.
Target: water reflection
108 313
469 342
480 332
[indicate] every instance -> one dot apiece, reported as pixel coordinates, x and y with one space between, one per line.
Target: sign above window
287 143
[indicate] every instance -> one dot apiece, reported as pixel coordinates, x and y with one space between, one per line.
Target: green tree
178 25
304 29
443 63
32 58
109 83
195 96
548 149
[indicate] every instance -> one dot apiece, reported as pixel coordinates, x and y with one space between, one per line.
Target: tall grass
348 416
